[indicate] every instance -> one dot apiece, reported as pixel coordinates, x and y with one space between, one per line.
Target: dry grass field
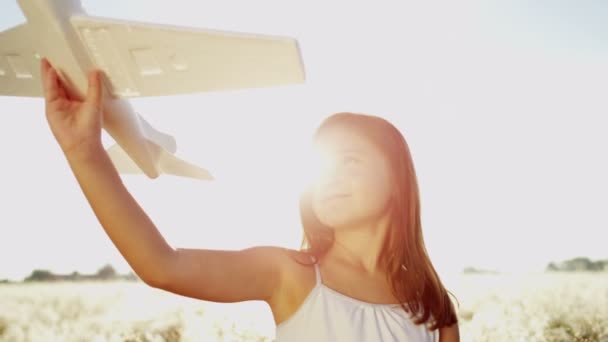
533 307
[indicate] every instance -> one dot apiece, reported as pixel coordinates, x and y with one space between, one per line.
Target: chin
336 222
337 217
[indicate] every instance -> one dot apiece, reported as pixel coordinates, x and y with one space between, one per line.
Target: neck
360 246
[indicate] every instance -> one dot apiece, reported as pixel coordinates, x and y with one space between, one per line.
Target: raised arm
214 275
76 124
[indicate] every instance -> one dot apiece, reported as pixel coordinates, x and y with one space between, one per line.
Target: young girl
363 273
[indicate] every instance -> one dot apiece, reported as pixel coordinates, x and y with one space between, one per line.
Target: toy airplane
139 60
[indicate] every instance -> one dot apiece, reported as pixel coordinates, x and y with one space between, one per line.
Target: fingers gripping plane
139 60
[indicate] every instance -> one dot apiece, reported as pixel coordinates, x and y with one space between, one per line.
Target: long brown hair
413 279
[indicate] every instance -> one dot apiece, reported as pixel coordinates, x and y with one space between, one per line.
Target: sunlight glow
459 114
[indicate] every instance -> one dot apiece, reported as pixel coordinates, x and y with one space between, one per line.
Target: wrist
84 151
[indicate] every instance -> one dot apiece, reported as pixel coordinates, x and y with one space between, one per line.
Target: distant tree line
107 272
578 264
475 270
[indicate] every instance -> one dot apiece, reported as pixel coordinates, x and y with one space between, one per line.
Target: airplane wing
143 59
19 63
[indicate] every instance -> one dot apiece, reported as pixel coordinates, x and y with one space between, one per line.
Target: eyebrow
351 150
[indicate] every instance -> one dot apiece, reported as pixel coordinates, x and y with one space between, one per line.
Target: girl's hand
75 123
304 257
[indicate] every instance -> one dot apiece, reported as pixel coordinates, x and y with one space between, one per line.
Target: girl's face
353 182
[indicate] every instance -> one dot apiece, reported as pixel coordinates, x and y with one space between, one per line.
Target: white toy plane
139 60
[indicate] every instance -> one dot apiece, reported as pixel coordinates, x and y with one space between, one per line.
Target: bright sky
502 104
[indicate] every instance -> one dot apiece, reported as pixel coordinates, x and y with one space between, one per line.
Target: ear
304 257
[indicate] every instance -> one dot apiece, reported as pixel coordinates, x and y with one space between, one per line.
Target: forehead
341 140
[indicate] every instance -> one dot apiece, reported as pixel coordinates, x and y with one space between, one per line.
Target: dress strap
318 274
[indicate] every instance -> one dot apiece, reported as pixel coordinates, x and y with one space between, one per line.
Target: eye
350 160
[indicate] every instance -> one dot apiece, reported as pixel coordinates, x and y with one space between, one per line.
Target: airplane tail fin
164 140
166 161
121 160
172 165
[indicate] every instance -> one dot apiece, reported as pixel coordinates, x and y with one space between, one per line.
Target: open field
535 307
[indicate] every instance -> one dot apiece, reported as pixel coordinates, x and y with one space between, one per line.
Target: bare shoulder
297 278
449 334
294 267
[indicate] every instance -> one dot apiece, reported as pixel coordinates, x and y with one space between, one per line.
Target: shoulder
296 279
293 266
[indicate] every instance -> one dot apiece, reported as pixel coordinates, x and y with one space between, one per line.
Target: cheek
375 188
374 194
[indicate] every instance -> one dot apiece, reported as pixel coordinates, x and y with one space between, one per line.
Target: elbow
158 276
156 281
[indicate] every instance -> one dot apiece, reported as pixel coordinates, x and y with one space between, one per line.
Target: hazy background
503 105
